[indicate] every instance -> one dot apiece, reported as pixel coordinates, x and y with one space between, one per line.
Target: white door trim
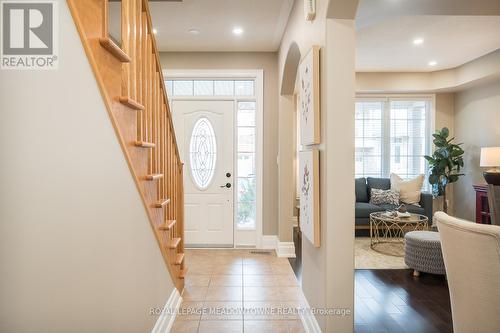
242 237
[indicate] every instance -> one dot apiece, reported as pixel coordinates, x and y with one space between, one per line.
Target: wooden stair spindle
130 76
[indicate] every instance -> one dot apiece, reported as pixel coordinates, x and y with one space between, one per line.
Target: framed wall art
309 195
309 98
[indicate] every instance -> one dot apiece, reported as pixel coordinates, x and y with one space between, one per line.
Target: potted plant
444 164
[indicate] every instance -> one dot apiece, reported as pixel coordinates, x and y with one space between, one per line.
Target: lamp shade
490 157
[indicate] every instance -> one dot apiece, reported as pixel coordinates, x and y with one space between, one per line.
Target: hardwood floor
392 301
296 262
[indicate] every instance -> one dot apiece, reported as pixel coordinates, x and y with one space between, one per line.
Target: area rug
366 258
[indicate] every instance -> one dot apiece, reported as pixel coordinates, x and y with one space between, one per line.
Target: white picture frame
309 196
309 98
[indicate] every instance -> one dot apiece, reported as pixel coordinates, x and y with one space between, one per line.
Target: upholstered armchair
472 259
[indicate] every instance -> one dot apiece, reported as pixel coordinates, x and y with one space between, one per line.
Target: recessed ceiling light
433 63
155 31
418 41
237 31
194 31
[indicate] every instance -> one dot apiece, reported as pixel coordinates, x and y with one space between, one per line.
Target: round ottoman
423 252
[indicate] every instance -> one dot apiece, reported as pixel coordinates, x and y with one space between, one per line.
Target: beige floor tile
197 280
185 326
291 309
221 326
261 294
224 293
257 270
190 310
199 269
270 310
282 269
266 326
285 280
259 280
290 293
228 260
259 260
233 269
226 280
222 311
295 326
194 293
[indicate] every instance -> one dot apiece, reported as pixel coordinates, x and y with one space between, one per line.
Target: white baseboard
167 317
309 320
283 249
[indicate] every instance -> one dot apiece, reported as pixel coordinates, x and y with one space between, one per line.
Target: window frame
386 100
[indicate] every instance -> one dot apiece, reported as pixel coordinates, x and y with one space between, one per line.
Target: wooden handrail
130 78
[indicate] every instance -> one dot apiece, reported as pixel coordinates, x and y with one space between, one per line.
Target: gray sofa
364 207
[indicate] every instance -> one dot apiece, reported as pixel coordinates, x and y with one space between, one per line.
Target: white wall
77 253
477 124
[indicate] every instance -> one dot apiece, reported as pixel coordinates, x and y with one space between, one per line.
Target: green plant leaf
433 179
445 163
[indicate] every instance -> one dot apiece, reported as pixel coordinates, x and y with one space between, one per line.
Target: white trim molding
309 320
167 316
283 249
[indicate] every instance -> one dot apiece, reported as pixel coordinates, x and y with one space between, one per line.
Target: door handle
228 185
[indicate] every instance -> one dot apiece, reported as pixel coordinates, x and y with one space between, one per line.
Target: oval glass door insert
202 153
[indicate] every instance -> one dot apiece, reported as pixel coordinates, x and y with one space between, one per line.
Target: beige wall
477 71
77 252
445 118
247 60
477 124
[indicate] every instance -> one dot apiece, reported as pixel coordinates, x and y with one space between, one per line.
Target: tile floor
239 291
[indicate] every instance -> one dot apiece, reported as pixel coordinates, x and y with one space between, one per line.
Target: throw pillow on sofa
384 197
409 190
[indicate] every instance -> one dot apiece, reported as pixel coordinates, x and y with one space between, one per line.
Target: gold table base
386 232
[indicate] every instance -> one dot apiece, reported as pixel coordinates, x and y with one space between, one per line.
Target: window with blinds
392 135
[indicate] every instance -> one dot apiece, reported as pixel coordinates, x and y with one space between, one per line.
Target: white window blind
392 135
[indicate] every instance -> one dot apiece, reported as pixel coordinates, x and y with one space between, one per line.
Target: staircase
131 83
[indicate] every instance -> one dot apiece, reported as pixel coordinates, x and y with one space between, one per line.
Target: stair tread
174 242
161 203
154 176
114 49
169 224
179 259
133 104
183 273
145 144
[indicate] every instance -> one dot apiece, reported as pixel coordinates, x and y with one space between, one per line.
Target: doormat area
366 258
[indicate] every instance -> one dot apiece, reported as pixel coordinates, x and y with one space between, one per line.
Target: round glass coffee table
387 232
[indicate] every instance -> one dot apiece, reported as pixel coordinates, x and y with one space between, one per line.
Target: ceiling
263 22
449 40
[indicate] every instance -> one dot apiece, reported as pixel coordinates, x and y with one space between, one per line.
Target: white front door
205 136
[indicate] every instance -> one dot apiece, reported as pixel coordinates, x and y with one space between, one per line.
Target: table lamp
490 158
